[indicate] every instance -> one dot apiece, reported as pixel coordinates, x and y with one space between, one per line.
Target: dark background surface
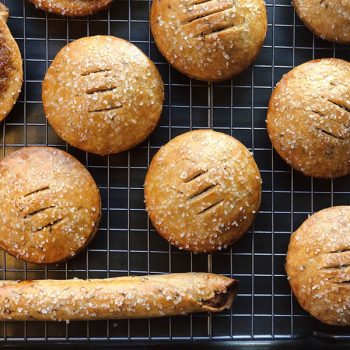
126 243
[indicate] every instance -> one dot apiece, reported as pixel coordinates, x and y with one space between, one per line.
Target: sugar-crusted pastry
209 40
72 7
11 70
202 190
318 265
329 19
308 118
103 95
4 12
115 298
50 205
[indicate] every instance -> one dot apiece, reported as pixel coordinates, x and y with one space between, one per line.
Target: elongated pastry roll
115 298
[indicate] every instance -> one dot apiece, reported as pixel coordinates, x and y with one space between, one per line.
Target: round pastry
202 190
318 265
103 95
50 205
209 40
329 19
309 118
72 7
11 70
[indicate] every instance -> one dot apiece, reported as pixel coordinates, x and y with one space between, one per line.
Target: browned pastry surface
209 40
103 95
11 71
202 190
115 298
72 7
49 203
318 265
329 19
309 118
4 12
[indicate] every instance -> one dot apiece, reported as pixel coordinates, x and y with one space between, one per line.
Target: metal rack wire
126 243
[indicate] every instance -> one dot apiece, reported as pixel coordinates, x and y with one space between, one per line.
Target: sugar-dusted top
318 265
11 72
50 205
103 95
202 190
72 7
209 39
329 19
309 118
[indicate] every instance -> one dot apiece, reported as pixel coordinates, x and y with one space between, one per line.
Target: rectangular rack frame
126 243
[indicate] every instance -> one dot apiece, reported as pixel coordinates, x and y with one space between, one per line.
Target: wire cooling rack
126 243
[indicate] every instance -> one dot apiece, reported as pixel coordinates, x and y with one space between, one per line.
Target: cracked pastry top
50 205
72 7
102 95
209 40
202 190
308 118
318 265
11 70
328 19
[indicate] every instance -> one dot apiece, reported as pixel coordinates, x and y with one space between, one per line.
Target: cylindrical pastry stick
115 298
4 12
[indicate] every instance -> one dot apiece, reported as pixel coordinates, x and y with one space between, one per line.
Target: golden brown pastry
202 190
318 265
103 95
209 40
115 298
328 19
4 12
49 203
72 7
309 118
11 71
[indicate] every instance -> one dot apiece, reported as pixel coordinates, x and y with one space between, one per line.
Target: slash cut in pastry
202 191
50 205
318 265
308 118
210 40
103 95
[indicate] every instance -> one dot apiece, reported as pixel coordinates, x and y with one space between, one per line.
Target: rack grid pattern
126 243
